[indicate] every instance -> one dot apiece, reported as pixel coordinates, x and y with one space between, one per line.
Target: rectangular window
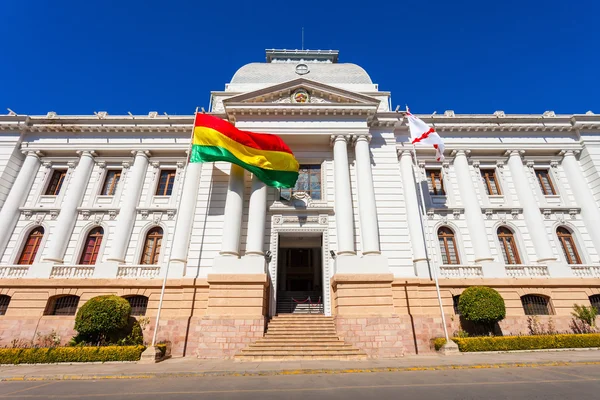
309 181
435 182
543 177
56 182
110 182
165 184
490 181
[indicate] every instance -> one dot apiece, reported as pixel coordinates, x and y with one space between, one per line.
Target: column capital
514 153
361 138
141 153
33 153
456 153
569 153
71 164
87 153
340 138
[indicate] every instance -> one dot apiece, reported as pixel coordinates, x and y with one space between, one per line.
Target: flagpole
164 283
426 239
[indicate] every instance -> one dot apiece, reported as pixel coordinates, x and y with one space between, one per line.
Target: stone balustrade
14 271
586 271
461 271
72 271
527 271
138 271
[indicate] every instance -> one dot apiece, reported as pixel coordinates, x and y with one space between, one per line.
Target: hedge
533 342
43 355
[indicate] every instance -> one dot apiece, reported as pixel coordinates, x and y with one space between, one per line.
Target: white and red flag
420 132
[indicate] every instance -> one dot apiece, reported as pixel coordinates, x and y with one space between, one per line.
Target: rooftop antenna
302 38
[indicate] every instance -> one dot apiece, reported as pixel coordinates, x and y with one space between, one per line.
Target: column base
371 264
250 264
109 270
558 269
177 269
493 269
422 269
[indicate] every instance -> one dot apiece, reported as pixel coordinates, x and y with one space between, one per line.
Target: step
284 341
297 358
284 335
303 316
248 352
299 348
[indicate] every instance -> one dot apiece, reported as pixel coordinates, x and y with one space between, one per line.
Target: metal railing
14 271
586 271
138 271
461 271
527 271
300 303
72 271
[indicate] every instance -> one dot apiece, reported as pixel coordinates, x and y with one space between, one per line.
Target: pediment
301 92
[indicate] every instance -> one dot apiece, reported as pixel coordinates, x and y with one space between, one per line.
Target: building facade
104 204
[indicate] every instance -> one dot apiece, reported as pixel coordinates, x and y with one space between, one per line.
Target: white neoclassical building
99 204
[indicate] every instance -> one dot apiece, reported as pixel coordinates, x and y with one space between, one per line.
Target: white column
344 214
473 215
128 212
531 210
590 213
232 227
185 213
411 202
369 229
257 215
9 215
68 210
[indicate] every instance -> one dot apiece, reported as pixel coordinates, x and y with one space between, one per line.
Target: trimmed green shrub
102 319
41 355
482 305
534 342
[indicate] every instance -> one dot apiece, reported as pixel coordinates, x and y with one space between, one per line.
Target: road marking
213 392
589 378
29 388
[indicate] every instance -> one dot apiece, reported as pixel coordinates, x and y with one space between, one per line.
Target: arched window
31 247
62 305
455 300
568 245
139 304
91 247
4 300
448 246
508 246
152 246
595 301
534 304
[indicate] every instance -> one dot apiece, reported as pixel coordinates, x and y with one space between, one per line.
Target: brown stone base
223 337
32 330
379 337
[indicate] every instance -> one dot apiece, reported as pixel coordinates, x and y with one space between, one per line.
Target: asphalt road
562 382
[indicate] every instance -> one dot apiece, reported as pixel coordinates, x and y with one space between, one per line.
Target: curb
73 377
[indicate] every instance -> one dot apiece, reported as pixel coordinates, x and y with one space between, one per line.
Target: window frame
484 172
38 242
502 238
595 301
4 303
548 175
532 306
112 190
59 185
155 255
562 239
169 172
53 302
446 249
430 174
455 300
308 166
135 309
97 246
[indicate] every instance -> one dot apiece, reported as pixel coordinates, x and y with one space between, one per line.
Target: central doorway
300 275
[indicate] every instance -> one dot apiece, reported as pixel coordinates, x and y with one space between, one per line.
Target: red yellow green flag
266 156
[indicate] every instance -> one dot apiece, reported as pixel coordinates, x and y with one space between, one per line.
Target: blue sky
77 57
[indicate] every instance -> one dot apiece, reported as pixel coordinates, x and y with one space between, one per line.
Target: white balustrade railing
527 271
138 271
586 271
72 271
461 271
14 271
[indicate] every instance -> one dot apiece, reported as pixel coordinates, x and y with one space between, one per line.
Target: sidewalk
194 367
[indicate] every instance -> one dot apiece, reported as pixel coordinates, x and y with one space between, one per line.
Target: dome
328 73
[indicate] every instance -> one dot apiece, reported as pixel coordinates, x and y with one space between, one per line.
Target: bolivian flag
266 156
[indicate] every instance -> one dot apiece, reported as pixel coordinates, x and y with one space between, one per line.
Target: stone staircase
300 337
